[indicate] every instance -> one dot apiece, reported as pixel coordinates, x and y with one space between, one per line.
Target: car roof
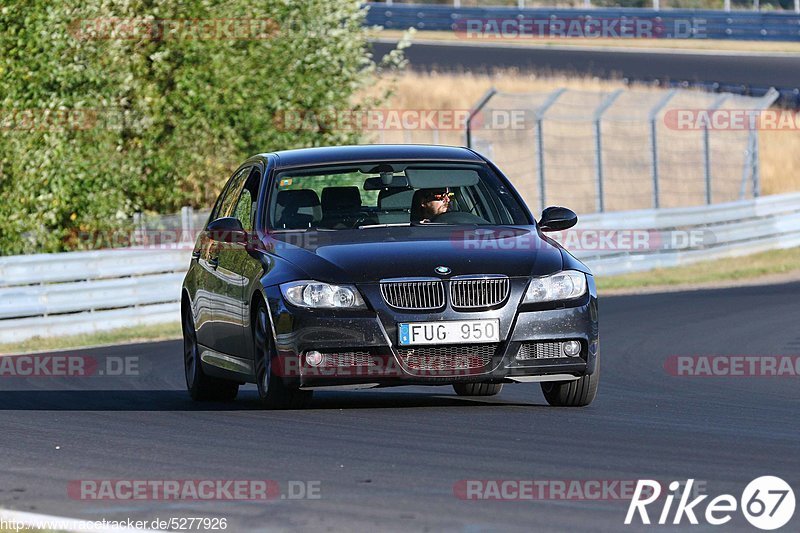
333 155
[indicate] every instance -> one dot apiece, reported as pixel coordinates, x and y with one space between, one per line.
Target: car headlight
565 285
319 295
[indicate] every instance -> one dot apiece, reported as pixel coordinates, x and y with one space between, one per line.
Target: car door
206 296
211 293
236 270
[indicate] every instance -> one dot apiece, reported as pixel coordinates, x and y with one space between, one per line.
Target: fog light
572 348
314 358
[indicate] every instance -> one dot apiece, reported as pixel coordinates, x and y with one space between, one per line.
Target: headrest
298 198
395 198
340 198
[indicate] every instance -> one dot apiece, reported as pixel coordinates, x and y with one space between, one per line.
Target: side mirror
557 219
227 229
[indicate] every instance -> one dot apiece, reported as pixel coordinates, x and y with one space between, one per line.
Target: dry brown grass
626 157
435 90
780 161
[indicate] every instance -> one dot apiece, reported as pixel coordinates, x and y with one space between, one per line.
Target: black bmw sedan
376 266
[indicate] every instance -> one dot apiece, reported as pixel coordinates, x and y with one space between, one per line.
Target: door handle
214 262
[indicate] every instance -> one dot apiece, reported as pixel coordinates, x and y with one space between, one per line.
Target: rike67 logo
767 503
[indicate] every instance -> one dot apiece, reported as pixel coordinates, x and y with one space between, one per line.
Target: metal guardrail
48 295
65 294
727 230
698 24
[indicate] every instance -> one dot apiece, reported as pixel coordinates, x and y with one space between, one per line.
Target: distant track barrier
675 23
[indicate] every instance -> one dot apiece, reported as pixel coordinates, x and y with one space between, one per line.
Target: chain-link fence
598 151
601 151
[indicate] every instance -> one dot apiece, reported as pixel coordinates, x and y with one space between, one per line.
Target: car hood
369 255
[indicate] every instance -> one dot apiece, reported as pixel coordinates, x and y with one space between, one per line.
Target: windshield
381 195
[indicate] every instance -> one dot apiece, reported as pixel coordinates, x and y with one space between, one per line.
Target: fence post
598 144
767 100
747 168
539 114
727 5
656 5
521 4
796 6
475 110
756 166
187 224
654 143
139 230
707 146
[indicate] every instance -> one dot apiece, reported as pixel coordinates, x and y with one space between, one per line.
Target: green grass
754 266
156 332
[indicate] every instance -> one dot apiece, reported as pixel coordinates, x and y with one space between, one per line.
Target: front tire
272 391
477 389
201 386
576 393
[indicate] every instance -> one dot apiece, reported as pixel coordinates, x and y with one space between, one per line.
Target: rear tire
201 386
576 393
272 391
477 389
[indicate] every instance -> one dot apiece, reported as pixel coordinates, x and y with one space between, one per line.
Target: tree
111 107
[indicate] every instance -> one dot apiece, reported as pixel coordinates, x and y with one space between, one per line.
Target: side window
245 206
244 210
233 192
229 195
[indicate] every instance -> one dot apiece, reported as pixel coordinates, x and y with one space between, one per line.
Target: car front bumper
361 347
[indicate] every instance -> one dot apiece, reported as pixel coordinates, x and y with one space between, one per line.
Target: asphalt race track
778 70
391 458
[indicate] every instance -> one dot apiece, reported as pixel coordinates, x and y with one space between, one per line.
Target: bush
94 127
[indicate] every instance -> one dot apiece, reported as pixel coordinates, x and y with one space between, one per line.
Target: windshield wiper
393 225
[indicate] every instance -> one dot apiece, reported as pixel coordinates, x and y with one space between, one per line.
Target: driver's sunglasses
442 196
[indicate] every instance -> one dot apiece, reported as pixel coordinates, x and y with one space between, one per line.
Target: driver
430 203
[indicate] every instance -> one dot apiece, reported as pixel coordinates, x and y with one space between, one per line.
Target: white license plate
450 332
